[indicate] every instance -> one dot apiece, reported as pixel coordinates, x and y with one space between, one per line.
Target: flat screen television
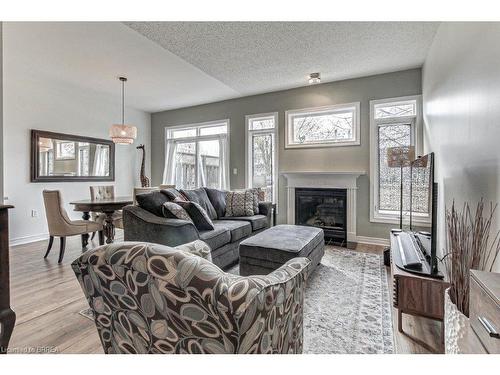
423 208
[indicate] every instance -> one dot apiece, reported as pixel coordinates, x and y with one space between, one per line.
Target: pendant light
123 134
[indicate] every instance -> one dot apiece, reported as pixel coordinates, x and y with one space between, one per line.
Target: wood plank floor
47 300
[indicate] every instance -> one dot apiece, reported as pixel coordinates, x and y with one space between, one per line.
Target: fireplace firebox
325 209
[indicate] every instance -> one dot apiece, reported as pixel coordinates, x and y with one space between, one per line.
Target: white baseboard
372 240
27 239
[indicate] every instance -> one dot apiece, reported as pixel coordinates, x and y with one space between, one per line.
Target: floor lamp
400 157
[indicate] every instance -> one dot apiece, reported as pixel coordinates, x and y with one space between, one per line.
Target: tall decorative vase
455 325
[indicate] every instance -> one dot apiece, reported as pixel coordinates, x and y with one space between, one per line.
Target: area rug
347 308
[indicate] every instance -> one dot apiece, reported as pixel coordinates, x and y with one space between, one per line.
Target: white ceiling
179 64
256 57
92 55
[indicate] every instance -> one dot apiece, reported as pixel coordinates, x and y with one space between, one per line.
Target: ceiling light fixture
121 133
314 78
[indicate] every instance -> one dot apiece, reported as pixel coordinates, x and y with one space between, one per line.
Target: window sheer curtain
99 167
169 170
170 160
224 162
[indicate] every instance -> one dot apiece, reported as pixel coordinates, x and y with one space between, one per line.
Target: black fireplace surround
325 209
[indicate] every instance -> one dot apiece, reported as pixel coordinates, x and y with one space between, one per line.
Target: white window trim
417 130
199 126
356 128
248 156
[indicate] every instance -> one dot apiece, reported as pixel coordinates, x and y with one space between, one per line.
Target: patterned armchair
149 298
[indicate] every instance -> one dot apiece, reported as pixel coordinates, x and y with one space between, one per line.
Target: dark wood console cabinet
7 316
415 294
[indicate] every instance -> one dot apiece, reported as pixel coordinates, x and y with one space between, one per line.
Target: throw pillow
172 193
152 202
218 199
198 215
172 210
239 203
200 196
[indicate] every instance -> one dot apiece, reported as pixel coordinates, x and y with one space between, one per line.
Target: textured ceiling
255 57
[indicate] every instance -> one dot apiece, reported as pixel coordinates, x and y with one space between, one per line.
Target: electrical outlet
235 170
34 213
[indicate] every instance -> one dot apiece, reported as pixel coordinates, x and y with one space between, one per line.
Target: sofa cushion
218 199
238 229
172 193
197 214
152 202
239 203
257 221
200 196
216 238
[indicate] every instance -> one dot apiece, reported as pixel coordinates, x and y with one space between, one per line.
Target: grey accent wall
461 94
313 159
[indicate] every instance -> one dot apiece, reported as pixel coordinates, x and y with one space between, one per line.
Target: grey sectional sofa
143 226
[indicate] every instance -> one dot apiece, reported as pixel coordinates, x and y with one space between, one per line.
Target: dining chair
60 225
105 192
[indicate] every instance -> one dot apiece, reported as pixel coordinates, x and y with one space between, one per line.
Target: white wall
40 100
461 94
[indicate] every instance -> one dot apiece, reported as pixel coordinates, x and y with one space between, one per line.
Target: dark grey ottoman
269 250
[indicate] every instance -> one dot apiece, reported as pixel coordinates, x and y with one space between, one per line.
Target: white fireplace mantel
332 180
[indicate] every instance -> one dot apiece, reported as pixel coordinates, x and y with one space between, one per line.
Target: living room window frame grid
416 139
170 140
249 134
355 140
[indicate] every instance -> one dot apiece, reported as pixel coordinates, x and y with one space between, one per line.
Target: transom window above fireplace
336 125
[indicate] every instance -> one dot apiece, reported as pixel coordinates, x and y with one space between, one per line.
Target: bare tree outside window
261 148
336 125
392 135
330 127
394 128
262 171
395 110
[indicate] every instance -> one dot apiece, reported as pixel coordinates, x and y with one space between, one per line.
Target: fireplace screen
323 208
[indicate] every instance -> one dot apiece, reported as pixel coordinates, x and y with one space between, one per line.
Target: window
393 123
261 159
336 125
197 155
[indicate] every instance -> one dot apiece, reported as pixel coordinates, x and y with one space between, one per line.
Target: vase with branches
471 245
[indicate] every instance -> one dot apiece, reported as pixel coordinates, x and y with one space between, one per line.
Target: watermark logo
31 350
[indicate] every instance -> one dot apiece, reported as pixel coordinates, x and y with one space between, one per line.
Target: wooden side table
416 294
7 316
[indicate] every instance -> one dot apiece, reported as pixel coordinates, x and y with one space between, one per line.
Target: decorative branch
469 247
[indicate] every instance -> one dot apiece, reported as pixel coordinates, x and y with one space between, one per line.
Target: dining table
106 206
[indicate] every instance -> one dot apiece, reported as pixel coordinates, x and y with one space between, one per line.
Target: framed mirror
57 157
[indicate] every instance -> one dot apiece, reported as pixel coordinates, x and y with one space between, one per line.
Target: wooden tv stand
416 294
